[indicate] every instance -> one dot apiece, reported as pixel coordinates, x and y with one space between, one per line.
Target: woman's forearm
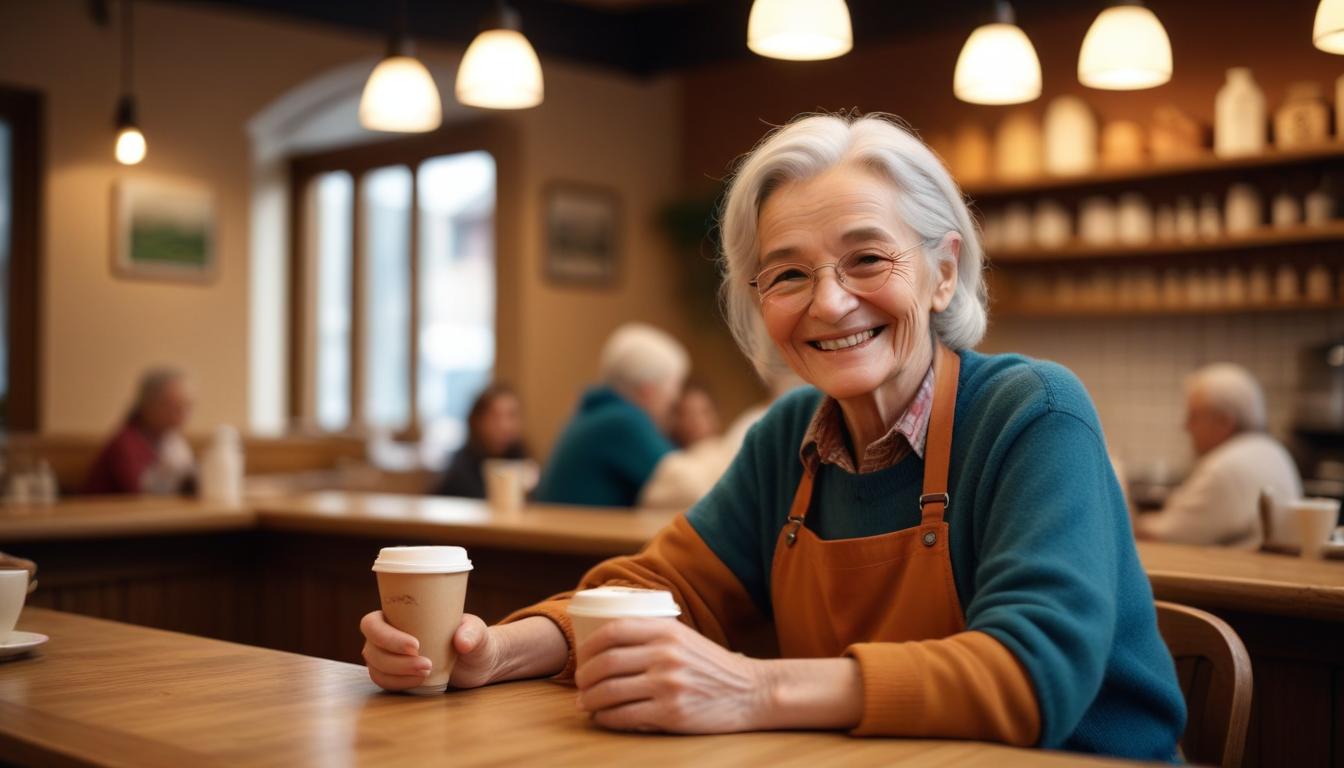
531 647
813 694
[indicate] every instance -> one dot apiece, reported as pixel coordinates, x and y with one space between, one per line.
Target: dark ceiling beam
641 41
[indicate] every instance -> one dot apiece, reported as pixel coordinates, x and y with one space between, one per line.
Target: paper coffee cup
13 591
423 591
591 608
506 484
1316 521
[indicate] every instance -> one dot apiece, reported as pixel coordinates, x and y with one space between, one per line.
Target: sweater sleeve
711 599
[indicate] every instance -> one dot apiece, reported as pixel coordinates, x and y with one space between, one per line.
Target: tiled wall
1134 367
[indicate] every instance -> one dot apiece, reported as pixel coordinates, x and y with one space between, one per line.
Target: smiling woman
932 539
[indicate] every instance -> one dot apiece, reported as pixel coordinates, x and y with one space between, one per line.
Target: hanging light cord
127 40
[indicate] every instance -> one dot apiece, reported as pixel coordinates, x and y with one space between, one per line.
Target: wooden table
107 694
118 516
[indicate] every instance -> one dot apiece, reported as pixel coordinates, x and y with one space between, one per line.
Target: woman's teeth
831 345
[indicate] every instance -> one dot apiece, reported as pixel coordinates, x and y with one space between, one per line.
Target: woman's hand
660 675
533 647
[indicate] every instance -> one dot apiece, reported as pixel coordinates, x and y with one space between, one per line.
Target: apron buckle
792 536
930 498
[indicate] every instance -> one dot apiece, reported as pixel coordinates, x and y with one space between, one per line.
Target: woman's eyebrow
865 234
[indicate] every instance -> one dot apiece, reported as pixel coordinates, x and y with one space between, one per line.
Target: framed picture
163 230
582 234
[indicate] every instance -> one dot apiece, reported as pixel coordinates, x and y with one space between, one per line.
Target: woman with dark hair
494 431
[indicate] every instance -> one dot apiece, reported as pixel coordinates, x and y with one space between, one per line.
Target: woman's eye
868 259
785 276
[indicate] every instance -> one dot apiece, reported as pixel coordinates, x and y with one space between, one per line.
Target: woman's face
818 221
501 424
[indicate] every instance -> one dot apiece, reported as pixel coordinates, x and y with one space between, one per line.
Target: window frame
25 112
495 136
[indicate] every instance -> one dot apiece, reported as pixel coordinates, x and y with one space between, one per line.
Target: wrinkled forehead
845 207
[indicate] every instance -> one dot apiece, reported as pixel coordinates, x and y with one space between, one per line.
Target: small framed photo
163 231
582 234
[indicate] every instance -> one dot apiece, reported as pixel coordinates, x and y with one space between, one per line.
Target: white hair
930 204
636 354
1232 391
152 384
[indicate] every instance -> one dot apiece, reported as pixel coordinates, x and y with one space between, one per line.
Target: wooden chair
1215 676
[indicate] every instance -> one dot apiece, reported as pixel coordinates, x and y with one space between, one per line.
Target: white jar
1240 126
1244 209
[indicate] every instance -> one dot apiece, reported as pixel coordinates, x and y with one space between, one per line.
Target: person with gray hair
148 454
610 447
926 542
1236 459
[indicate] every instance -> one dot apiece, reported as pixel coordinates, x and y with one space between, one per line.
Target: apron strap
938 444
802 499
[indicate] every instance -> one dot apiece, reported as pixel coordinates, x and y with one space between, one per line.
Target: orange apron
897 587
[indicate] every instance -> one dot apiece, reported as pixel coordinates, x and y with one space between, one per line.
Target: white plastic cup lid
1315 503
612 602
422 560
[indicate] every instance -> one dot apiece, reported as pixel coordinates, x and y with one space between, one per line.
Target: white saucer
20 643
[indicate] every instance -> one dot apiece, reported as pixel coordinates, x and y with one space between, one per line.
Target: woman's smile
846 342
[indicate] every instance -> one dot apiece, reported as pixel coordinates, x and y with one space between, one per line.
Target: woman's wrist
530 647
811 694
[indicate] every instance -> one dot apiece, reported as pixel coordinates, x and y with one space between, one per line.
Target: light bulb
998 65
800 30
131 146
1328 31
1125 49
400 96
500 71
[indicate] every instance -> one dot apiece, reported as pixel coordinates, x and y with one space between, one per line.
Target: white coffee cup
1316 521
13 591
592 608
423 591
507 482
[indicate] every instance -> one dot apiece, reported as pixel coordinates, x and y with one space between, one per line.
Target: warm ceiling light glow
131 146
998 64
500 71
800 30
1125 49
400 96
1328 31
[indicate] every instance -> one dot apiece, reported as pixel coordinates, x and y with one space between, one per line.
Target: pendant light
400 95
1125 49
500 69
800 30
131 145
998 64
1328 31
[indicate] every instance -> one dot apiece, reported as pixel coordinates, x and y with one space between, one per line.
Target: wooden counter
1245 581
107 694
465 522
118 516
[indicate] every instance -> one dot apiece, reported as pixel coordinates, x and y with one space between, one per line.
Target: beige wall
201 75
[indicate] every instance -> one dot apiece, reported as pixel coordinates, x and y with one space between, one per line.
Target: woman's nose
830 300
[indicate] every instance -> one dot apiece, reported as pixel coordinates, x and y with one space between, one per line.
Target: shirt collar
825 440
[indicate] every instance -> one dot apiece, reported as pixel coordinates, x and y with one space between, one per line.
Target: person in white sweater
1236 459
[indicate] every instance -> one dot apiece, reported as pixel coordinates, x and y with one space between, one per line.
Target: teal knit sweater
1042 553
604 455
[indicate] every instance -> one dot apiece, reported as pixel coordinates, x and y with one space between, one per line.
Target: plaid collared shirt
824 442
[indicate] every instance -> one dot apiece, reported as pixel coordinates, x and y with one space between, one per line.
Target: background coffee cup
423 591
591 608
1316 521
507 482
13 591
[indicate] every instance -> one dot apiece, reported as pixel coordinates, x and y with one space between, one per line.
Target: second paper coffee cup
592 608
423 591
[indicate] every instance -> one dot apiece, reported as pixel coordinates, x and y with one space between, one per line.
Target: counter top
107 694
115 516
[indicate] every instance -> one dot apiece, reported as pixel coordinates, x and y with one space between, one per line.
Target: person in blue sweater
927 542
615 439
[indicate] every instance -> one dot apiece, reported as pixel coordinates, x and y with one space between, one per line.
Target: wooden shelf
1009 310
1207 164
1264 238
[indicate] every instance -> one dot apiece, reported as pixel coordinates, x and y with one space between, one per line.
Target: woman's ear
945 276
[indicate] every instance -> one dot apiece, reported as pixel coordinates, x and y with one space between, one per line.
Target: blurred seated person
614 440
684 476
695 417
494 431
148 454
1235 459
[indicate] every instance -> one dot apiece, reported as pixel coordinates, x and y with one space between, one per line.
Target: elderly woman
932 539
615 439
